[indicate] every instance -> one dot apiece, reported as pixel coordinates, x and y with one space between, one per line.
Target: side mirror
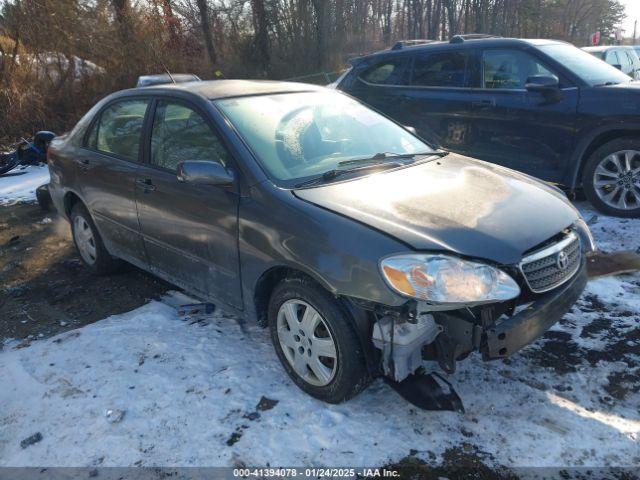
411 129
542 83
202 172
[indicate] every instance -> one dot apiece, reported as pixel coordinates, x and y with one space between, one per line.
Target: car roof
217 89
603 48
485 42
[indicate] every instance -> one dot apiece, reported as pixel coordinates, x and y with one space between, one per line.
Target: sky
633 13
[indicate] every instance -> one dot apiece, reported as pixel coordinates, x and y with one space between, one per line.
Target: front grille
553 265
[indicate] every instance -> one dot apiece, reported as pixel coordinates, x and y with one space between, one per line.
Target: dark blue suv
543 107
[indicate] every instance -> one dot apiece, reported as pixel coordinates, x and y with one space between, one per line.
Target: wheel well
70 199
265 285
598 142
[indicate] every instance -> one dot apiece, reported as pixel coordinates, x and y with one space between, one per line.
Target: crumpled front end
551 277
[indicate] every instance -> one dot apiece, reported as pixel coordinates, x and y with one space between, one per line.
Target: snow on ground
188 391
20 185
611 233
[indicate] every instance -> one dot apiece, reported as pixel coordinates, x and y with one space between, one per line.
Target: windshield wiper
606 84
384 156
336 172
378 160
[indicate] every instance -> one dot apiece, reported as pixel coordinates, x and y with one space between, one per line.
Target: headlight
588 243
442 279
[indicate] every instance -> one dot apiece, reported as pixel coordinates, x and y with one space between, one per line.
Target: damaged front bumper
514 333
501 337
449 336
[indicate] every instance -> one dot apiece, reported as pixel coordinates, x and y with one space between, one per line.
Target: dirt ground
44 288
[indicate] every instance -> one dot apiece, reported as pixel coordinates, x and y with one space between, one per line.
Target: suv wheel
315 341
611 178
89 243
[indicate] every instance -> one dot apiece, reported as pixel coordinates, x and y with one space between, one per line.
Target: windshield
584 65
298 136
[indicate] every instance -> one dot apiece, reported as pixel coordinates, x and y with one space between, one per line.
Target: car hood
633 86
455 204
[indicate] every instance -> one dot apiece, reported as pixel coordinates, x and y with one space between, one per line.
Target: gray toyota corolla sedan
363 249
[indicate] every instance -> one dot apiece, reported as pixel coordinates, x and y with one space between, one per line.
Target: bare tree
261 40
203 9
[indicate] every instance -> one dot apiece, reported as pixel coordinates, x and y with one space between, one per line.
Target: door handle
83 164
146 184
483 104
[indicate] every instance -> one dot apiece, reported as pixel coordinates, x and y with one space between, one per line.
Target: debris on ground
266 404
35 438
114 415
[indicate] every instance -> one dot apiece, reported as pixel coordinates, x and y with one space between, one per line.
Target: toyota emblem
562 261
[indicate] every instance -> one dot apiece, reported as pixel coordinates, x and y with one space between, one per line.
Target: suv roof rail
399 45
471 36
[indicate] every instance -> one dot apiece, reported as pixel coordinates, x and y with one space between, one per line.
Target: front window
509 69
180 133
297 136
591 70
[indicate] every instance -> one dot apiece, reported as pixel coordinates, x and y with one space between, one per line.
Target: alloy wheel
616 180
307 343
84 240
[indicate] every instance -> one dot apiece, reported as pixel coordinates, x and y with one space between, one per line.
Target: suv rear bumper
509 336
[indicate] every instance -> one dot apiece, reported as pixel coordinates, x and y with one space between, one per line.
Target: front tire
89 243
316 342
611 178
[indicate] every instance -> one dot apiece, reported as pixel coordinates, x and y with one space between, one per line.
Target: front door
189 231
517 128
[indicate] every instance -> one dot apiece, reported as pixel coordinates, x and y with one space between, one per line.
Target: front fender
277 229
596 136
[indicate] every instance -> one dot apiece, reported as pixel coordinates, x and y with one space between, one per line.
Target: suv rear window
388 72
444 69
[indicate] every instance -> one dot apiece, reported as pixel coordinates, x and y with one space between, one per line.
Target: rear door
107 166
517 128
189 231
436 100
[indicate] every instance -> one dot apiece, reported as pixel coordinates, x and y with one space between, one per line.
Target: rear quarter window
387 72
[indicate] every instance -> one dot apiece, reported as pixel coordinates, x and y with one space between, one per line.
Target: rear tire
321 353
44 198
89 243
611 178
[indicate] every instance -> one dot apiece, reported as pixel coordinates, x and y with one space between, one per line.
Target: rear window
118 129
445 69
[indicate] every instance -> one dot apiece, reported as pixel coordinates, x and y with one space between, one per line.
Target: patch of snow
611 233
20 185
191 389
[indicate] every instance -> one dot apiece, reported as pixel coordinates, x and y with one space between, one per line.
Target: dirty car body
313 211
